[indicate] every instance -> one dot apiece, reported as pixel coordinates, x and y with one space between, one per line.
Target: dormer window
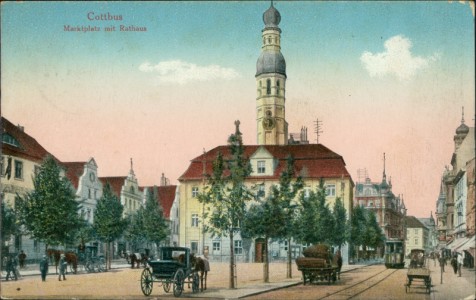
10 140
261 167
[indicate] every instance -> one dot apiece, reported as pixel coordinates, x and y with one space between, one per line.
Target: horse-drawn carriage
318 265
89 260
418 270
175 267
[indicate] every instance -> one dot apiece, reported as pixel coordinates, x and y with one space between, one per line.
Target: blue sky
382 76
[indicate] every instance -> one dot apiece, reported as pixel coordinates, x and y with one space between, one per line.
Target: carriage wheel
146 281
167 286
195 283
179 278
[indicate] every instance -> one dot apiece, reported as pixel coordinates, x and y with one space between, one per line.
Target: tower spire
384 175
462 114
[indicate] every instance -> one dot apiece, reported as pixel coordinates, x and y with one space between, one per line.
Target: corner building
313 162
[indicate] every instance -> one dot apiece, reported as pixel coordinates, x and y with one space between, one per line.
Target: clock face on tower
268 123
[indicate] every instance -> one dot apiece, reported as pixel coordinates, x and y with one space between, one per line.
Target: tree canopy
225 194
50 211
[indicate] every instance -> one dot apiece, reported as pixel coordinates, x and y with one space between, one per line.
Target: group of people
62 264
457 263
11 263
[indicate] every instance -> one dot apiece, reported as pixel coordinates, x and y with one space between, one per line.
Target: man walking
460 263
21 259
62 267
11 268
44 268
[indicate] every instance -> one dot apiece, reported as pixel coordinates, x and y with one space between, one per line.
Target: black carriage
173 269
418 270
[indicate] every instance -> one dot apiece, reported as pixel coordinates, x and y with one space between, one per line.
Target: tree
286 193
108 221
341 229
315 222
50 212
357 228
156 228
134 233
9 224
373 236
225 195
265 219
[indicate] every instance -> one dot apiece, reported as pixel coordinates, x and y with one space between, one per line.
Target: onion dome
462 129
271 62
271 17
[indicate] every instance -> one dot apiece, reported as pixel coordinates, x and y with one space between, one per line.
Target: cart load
317 265
417 270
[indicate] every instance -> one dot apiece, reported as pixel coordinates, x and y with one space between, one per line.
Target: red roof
29 148
166 197
116 183
310 161
74 170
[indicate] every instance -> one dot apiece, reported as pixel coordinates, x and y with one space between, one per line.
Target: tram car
394 254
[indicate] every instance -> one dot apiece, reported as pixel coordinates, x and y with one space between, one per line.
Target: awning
457 243
466 245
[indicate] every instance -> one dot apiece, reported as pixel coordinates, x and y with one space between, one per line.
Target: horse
200 264
137 259
70 257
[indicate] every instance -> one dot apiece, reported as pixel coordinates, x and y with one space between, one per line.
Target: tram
394 253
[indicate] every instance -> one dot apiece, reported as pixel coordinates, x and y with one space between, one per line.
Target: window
285 245
331 190
194 220
2 166
416 241
216 246
268 86
194 191
18 169
261 191
132 189
89 193
238 247
8 139
194 246
261 167
415 230
277 87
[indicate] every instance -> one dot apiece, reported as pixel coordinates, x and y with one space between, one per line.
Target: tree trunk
266 261
232 263
289 265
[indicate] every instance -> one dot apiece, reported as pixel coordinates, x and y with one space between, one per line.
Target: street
357 282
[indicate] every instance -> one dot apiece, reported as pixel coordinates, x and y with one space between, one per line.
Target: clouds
182 72
396 60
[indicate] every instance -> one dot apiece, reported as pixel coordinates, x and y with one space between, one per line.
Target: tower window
268 87
277 87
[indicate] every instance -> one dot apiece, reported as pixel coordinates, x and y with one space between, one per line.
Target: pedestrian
442 261
460 263
22 259
44 268
62 267
10 268
454 264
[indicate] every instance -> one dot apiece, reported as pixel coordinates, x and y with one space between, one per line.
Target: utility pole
317 129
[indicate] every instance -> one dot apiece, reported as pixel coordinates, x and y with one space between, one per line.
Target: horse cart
89 260
172 269
418 270
317 265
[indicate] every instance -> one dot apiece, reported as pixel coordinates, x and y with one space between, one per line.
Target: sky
382 77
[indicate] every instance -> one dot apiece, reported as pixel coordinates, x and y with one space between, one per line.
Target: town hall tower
272 128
